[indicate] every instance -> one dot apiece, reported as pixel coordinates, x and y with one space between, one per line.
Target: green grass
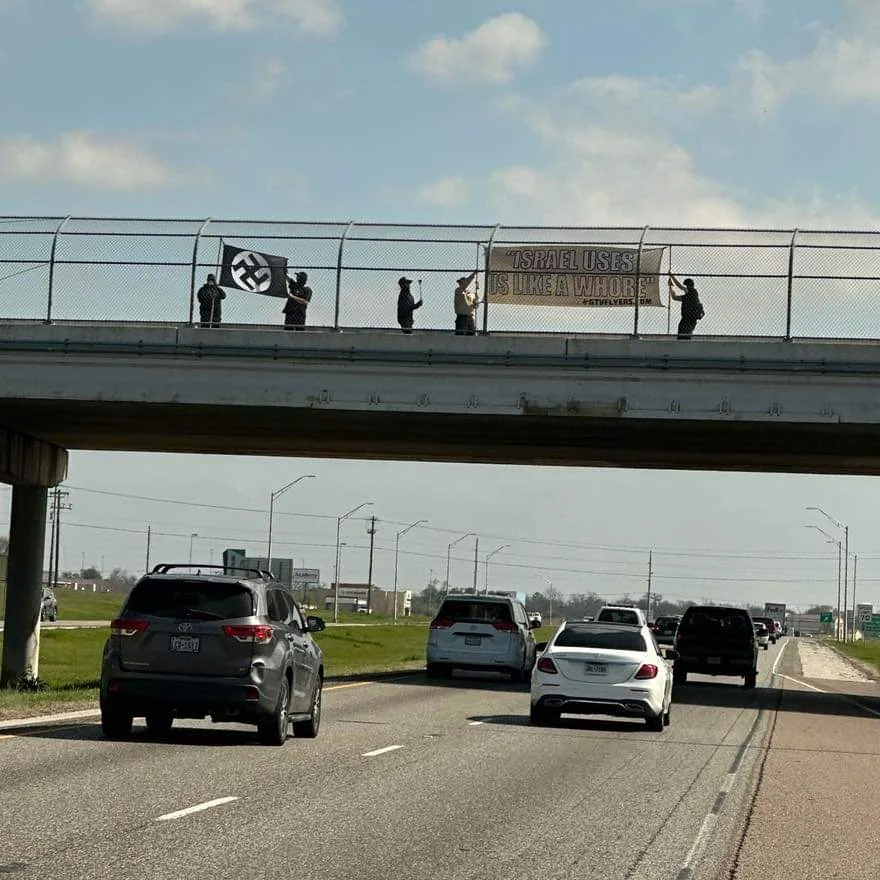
79 605
867 652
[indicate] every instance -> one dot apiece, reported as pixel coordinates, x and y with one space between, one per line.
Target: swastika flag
253 272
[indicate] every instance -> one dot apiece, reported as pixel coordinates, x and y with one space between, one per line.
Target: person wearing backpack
691 307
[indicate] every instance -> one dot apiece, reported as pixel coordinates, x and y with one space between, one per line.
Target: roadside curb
61 719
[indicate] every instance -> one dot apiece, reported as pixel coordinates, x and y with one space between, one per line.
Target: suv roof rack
165 568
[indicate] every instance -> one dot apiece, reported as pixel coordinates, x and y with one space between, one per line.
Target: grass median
866 652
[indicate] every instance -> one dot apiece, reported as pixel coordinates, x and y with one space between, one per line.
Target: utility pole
149 536
650 573
60 504
371 531
53 518
855 607
476 559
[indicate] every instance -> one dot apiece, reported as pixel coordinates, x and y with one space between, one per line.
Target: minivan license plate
185 644
713 661
472 640
596 668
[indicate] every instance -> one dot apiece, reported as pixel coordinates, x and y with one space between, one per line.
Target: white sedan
762 634
602 669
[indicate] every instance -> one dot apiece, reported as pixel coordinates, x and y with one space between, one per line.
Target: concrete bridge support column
31 466
24 578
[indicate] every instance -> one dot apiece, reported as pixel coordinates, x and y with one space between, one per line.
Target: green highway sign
872 626
826 617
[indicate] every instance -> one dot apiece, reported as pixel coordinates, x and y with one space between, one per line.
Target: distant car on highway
48 605
602 669
192 642
626 614
770 625
665 628
716 640
762 635
481 632
535 618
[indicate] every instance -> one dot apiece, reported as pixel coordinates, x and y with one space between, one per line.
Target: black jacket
406 305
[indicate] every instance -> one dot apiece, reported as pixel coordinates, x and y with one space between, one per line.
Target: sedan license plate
713 661
185 644
472 640
596 668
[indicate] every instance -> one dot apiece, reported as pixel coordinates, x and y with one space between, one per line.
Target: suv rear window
608 639
666 624
725 622
619 615
194 599
488 612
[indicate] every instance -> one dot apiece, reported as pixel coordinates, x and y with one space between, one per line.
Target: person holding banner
210 297
298 298
691 307
466 302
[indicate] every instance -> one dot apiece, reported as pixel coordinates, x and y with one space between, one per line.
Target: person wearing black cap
210 298
298 298
406 305
691 307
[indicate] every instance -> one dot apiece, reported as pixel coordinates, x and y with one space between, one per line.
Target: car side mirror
671 654
541 647
315 624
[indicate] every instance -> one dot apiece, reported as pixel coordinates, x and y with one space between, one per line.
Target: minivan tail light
442 623
545 664
124 626
259 634
505 627
647 670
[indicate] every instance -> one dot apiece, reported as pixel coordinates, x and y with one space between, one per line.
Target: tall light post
549 583
339 521
845 529
277 494
488 557
449 555
400 534
192 537
830 540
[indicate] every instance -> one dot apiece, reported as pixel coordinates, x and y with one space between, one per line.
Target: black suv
231 644
715 640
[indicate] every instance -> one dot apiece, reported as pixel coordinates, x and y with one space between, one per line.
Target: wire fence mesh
756 283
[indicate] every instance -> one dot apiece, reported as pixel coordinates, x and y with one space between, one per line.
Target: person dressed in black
406 305
298 298
691 307
210 297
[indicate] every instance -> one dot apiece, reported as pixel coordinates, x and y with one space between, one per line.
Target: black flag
253 272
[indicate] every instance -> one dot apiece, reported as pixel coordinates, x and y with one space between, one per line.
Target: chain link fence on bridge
780 284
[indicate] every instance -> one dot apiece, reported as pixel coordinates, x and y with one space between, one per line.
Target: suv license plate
713 661
472 640
596 668
185 644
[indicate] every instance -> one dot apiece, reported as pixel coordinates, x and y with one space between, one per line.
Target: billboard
590 276
774 609
306 577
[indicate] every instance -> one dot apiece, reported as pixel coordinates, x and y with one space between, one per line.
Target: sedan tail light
442 623
545 664
124 626
259 633
647 670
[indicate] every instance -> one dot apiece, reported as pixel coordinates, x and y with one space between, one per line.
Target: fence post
637 284
52 268
339 273
486 278
790 285
192 280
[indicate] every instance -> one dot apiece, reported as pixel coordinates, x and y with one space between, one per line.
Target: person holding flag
298 298
210 297
406 304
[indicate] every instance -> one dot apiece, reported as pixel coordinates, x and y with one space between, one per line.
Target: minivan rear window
182 599
488 612
607 639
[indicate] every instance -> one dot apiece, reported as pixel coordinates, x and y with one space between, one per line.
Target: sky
675 112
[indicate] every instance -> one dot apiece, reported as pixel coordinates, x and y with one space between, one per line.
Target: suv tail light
505 627
647 670
259 633
442 623
545 664
123 626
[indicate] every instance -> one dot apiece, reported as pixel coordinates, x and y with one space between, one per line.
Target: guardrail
773 283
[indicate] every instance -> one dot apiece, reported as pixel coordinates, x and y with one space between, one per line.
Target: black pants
290 325
465 325
686 327
208 320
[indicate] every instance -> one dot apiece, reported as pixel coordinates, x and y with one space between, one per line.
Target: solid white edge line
380 751
778 658
474 723
812 687
178 814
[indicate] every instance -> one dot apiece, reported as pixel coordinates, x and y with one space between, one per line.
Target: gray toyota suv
197 641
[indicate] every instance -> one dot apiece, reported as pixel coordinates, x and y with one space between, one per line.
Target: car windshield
190 599
619 615
594 637
479 612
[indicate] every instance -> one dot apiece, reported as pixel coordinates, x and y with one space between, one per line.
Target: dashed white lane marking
380 751
207 805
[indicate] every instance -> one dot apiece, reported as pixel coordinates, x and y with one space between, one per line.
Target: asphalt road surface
407 779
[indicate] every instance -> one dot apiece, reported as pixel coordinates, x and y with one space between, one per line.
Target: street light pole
476 560
845 528
830 540
449 555
488 557
400 534
277 494
191 537
339 520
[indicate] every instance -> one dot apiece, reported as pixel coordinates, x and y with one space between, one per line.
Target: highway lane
408 778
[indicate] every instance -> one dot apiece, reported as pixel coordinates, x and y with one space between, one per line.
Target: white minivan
481 632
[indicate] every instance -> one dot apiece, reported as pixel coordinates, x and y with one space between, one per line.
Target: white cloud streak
447 192
490 53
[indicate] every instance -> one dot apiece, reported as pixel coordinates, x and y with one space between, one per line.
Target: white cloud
319 17
268 79
82 158
447 192
491 53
